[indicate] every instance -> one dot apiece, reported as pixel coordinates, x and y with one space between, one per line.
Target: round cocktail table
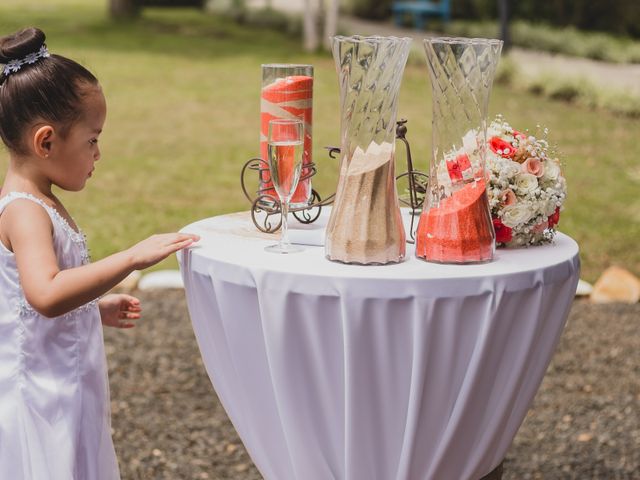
412 371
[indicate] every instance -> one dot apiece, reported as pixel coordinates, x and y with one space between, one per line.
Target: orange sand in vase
289 97
454 232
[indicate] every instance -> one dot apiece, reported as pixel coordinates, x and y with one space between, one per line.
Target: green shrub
567 40
633 52
371 9
268 18
619 17
536 86
568 91
575 90
621 103
471 29
507 71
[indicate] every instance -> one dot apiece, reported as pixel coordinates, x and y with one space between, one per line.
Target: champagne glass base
282 248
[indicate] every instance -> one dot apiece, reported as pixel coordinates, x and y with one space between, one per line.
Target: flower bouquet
525 186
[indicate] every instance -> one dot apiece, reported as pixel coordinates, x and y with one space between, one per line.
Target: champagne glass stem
284 237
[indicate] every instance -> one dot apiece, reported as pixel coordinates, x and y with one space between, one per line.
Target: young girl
54 396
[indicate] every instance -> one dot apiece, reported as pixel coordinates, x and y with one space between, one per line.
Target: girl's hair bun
37 86
20 44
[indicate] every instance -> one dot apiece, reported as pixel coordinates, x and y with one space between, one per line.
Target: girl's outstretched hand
158 247
119 310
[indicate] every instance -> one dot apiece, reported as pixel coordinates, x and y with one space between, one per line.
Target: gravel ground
168 423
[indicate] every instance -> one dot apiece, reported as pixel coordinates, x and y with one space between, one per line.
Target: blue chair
419 10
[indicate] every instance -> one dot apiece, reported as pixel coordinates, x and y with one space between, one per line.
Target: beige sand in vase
366 226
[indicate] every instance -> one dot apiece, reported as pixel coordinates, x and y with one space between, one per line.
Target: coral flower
554 218
501 147
504 234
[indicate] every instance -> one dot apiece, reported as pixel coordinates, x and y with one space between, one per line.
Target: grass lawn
183 106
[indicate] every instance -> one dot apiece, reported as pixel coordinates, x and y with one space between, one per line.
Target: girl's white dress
54 392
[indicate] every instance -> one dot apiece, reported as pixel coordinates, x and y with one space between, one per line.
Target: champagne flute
285 145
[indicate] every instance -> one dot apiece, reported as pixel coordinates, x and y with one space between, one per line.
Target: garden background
183 116
182 88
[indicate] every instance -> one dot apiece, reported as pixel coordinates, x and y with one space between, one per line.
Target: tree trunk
123 8
503 5
310 27
330 22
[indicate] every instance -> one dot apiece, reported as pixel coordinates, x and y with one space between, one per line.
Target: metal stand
264 205
417 180
270 204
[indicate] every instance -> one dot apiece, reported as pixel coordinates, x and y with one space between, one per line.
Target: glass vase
455 225
287 93
365 226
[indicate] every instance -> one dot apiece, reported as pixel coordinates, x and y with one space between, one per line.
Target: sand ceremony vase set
365 226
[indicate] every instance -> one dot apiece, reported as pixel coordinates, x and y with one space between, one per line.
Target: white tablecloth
414 371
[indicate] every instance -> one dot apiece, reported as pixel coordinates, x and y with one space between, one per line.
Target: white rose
549 207
511 168
515 215
551 169
526 183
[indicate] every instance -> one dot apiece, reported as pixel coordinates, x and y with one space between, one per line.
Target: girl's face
72 160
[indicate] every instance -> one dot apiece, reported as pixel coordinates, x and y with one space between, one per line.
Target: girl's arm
52 291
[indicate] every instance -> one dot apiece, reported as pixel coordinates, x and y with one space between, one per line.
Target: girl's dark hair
49 89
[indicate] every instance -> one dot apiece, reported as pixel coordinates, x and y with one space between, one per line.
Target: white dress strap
56 217
11 196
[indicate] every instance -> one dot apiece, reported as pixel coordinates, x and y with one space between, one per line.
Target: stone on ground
583 289
616 285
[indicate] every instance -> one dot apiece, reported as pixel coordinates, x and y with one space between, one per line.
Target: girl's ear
42 140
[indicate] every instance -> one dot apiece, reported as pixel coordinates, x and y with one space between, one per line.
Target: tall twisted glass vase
455 225
365 226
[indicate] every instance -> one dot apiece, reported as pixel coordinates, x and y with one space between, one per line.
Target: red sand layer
291 89
459 230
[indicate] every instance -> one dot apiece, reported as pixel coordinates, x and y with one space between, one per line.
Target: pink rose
533 166
541 227
508 197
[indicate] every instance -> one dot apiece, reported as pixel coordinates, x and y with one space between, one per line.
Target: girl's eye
93 141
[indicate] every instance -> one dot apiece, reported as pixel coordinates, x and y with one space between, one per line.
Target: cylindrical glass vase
455 225
287 93
365 225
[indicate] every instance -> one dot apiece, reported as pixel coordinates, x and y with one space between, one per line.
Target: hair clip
14 65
